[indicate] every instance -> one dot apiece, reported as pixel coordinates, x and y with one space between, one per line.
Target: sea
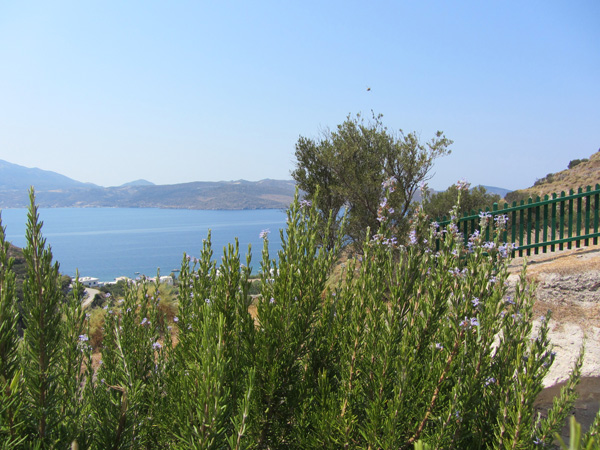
107 243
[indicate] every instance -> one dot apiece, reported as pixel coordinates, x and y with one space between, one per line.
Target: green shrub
413 347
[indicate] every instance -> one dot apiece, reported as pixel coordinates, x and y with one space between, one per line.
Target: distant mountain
53 190
15 177
496 190
139 183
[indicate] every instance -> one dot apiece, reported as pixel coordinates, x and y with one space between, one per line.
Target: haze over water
109 242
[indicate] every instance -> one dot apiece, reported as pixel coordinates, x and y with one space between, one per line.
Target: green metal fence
553 223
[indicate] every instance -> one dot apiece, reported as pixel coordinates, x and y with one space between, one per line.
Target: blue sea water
109 242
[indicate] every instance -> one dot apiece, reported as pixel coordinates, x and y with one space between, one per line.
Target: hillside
586 173
57 191
15 177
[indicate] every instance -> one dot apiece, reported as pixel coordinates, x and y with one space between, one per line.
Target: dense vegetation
414 346
347 167
440 204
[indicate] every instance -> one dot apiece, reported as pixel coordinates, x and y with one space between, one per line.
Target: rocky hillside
582 173
568 285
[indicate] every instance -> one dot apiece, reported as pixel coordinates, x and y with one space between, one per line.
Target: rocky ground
568 284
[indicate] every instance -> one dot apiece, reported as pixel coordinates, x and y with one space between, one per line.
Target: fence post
545 225
513 224
570 224
588 209
521 224
553 222
596 212
579 207
561 229
529 224
537 225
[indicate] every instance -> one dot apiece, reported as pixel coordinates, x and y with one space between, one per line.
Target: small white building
167 279
90 282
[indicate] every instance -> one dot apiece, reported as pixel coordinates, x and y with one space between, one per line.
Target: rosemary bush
417 346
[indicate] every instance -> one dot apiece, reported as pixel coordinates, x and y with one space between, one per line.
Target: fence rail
547 224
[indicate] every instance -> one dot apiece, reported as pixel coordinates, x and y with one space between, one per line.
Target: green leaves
347 167
422 346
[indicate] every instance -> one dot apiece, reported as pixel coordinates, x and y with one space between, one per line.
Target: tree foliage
348 166
441 204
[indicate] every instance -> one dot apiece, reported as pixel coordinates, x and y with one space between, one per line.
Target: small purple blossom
156 346
305 204
264 233
413 237
175 319
463 185
439 346
475 302
272 300
83 338
389 184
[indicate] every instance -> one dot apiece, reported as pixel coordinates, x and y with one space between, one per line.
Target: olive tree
349 165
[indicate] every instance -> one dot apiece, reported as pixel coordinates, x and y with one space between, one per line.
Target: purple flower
413 237
264 234
474 322
156 346
305 204
475 302
83 338
439 346
175 319
389 184
145 321
489 380
463 185
272 300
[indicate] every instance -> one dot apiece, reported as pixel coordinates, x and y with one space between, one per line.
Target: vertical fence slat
513 224
570 223
596 213
505 237
537 225
529 225
553 222
521 224
588 210
579 211
561 218
545 225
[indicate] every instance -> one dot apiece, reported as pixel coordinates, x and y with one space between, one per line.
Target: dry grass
582 175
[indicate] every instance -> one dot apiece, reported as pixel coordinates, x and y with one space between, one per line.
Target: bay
110 242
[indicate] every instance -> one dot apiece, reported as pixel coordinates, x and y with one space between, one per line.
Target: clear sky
111 91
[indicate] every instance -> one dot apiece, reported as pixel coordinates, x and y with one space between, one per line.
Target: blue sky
110 91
